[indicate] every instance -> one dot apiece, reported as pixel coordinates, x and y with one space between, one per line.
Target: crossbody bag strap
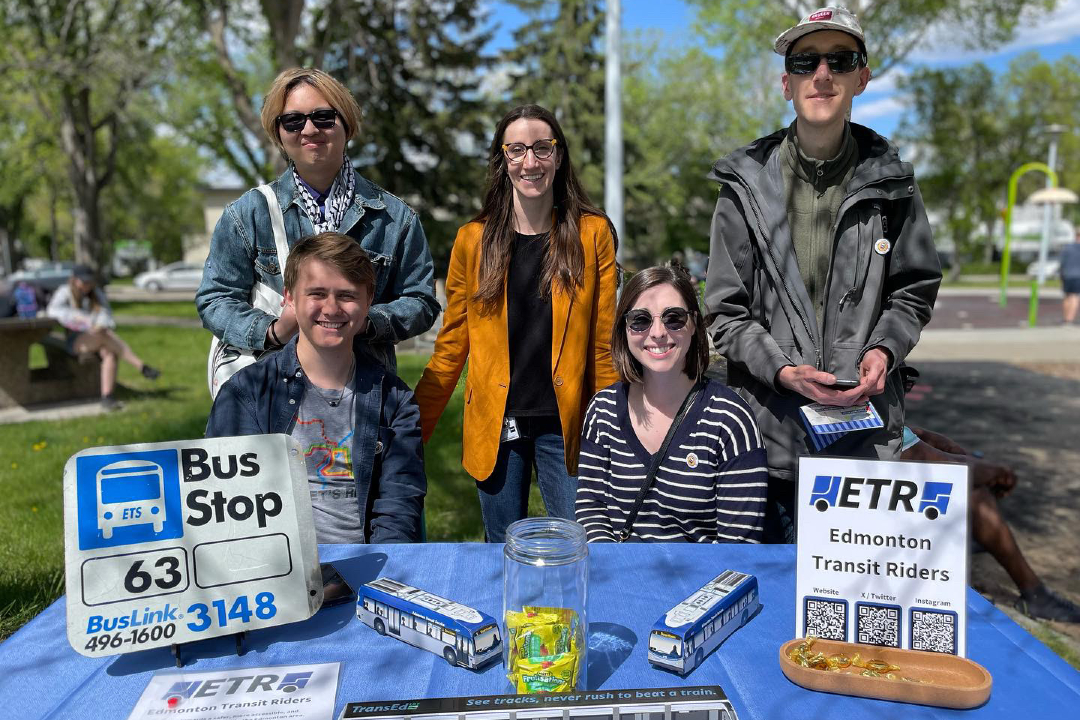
631 516
277 222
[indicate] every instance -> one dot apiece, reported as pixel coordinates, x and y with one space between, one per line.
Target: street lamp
1054 132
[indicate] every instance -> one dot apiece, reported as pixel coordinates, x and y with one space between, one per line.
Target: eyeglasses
542 150
640 320
841 61
323 119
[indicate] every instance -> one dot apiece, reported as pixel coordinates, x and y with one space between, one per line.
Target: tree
893 27
972 129
413 65
684 108
558 63
83 62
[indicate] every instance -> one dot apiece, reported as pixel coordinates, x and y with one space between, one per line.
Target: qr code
933 630
877 624
826 619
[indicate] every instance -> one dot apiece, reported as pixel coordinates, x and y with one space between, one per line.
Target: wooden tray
948 681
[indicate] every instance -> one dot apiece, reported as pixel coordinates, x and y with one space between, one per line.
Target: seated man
357 423
989 482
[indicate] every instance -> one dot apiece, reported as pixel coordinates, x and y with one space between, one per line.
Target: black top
528 321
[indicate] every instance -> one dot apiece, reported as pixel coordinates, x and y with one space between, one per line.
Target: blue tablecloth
630 587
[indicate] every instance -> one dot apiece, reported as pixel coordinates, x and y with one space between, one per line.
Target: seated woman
80 306
667 454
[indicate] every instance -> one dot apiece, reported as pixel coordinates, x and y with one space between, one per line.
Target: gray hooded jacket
881 286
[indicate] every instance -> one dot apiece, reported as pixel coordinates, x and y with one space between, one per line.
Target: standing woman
530 296
667 454
80 306
310 117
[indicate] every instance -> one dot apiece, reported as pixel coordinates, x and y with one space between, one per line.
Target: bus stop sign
168 543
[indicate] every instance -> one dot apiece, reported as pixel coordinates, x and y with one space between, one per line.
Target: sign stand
240 649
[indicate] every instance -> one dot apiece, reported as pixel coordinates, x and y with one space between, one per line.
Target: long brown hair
564 259
77 295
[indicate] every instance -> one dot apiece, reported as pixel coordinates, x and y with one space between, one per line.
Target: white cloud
864 112
887 82
1034 31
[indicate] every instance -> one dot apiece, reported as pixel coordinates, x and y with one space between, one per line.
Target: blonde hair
335 93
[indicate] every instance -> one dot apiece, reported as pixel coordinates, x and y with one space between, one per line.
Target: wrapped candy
544 649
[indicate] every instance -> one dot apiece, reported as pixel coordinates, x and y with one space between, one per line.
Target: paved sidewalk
1038 344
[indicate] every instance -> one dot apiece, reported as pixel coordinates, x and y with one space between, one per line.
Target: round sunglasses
640 320
323 119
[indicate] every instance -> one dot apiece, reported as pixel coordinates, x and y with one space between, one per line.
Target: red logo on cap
820 15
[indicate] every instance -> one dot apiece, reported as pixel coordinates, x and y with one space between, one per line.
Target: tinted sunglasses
841 61
323 119
639 320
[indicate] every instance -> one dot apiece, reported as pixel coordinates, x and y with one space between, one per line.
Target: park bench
65 376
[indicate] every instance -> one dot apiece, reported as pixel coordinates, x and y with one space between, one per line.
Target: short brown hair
697 359
337 250
335 93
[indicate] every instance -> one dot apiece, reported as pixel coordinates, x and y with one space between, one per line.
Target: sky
881 106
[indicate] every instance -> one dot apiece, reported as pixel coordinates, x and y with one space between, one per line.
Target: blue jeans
504 496
780 511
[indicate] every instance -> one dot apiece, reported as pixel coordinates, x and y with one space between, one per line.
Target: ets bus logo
128 498
880 493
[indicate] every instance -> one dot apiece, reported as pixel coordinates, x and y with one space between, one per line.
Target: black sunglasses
640 320
806 63
323 119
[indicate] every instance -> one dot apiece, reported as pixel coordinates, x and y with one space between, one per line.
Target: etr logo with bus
128 498
880 494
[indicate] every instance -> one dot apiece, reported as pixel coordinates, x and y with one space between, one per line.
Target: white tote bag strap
223 360
277 222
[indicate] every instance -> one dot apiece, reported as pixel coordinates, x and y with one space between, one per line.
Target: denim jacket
387 453
242 252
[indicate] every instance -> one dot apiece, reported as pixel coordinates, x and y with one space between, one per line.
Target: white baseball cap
826 18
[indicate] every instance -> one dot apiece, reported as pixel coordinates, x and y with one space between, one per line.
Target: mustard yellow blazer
580 353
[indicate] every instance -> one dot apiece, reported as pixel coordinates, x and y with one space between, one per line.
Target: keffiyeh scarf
341 195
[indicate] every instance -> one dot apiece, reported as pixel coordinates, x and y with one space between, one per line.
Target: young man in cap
357 422
822 269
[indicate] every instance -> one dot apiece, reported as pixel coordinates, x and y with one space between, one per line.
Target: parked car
175 276
46 277
1052 267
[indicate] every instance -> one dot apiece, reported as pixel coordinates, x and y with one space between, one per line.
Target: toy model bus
462 635
688 632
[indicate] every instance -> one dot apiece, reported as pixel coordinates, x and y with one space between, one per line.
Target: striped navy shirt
710 486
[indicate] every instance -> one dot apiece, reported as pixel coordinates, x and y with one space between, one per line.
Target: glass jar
545 597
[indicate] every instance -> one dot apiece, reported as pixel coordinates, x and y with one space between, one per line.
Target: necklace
332 401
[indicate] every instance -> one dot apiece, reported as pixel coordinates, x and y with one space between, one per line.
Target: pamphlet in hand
825 424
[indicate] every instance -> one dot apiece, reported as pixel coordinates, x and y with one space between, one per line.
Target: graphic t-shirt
324 429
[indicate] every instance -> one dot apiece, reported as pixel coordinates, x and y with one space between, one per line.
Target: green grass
185 309
32 458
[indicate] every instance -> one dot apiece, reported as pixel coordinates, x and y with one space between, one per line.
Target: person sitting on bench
80 306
